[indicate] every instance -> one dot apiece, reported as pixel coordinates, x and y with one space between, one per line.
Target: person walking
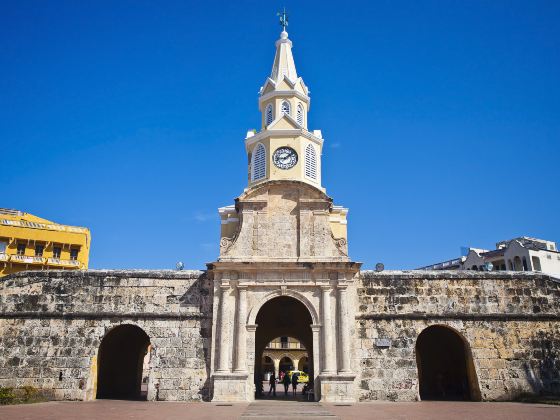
272 383
295 377
286 383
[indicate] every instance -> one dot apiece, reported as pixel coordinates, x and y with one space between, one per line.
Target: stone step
287 409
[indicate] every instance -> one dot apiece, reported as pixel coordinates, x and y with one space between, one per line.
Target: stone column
344 329
316 366
223 343
328 343
241 352
276 367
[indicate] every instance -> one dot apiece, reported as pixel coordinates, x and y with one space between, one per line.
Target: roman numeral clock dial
285 157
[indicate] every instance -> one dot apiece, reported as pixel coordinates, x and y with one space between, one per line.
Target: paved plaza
278 409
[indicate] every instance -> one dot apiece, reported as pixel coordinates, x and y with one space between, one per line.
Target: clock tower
284 148
283 242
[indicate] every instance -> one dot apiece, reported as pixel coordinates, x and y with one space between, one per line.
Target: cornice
282 133
284 94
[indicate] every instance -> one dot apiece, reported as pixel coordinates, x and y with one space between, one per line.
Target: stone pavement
278 409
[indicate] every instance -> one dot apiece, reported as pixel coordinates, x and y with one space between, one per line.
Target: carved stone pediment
286 220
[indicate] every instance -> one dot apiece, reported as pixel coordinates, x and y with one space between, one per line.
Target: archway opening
445 367
286 364
121 361
304 364
283 322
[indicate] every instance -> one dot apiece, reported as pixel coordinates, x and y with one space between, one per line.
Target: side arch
120 362
251 318
439 351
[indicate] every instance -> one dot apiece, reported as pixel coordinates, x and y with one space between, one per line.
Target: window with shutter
299 117
310 162
285 108
259 163
269 115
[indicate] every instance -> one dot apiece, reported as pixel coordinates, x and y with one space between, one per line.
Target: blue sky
441 120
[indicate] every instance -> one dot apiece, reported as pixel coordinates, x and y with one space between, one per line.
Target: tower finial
283 19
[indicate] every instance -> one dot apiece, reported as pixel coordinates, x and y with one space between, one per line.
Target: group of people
284 380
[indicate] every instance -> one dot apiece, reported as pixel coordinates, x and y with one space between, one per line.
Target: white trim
281 133
284 94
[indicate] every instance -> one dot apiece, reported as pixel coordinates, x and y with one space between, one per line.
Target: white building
519 254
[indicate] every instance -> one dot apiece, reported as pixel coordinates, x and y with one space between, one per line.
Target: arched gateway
282 316
445 366
120 363
284 242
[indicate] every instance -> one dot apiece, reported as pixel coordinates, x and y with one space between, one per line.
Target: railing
37 225
284 346
27 259
66 263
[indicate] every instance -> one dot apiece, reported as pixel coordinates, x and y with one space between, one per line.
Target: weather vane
283 19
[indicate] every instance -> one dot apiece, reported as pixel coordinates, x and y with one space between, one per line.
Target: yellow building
284 354
28 242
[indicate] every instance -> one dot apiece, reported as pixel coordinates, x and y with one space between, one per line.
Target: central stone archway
282 316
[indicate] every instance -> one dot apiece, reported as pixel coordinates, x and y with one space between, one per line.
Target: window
284 342
74 253
56 252
299 116
525 268
20 249
536 263
3 246
39 248
285 108
310 162
259 163
269 116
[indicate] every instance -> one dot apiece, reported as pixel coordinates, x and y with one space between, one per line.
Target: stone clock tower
283 251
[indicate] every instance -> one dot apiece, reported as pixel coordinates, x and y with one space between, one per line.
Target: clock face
285 157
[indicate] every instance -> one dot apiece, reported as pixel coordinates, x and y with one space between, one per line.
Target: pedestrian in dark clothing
294 383
286 383
272 382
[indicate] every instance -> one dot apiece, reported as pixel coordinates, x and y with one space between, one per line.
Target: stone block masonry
52 324
509 322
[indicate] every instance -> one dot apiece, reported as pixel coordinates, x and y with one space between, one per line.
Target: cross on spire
283 19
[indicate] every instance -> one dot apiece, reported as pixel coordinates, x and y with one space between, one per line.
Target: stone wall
508 320
52 324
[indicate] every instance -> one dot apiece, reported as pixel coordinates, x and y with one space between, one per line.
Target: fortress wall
510 322
52 324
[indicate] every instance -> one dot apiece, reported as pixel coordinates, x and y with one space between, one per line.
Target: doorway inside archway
287 322
303 364
445 367
122 356
286 364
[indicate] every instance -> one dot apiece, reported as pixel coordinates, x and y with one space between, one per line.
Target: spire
284 64
283 60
